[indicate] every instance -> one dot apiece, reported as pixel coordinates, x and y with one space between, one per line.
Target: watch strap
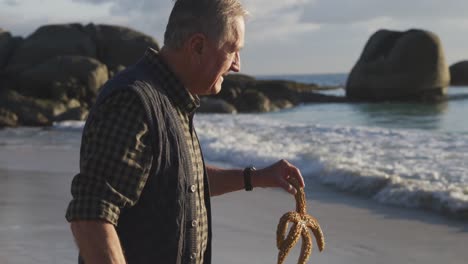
248 178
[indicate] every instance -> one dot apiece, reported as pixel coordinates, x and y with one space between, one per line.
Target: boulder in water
397 65
459 74
253 101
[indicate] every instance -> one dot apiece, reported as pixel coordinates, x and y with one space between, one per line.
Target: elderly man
143 191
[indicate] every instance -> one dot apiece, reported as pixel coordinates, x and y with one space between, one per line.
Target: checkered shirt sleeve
115 160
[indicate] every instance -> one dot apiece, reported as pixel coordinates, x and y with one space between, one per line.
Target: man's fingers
288 187
296 173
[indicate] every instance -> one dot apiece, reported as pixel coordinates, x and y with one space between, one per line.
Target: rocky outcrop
396 65
30 111
76 113
7 46
7 118
254 101
63 78
59 63
119 46
213 105
56 72
49 42
459 74
248 95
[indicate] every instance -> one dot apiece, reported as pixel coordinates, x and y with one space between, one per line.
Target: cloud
125 7
146 16
283 36
11 2
354 11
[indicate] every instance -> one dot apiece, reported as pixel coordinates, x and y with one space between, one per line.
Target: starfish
301 221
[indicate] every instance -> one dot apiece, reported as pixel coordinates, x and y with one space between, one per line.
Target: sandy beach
34 191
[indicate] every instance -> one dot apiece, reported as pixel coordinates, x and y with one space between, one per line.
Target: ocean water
403 154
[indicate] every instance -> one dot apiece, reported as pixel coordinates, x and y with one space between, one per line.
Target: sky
282 36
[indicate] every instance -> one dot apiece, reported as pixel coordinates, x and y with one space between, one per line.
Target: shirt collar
180 96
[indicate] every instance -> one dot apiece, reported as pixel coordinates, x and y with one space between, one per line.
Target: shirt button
194 223
193 188
193 256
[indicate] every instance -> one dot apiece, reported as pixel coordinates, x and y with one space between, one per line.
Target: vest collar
180 96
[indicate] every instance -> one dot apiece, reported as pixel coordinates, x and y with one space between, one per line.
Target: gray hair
213 18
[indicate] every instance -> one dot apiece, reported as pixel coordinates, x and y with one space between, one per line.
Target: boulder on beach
76 113
213 105
119 46
51 41
8 118
459 74
7 46
55 74
61 63
30 111
397 65
64 77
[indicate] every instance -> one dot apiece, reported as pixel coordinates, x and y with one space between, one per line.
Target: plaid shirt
116 155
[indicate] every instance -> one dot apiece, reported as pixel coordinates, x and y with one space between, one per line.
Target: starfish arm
300 196
301 202
306 248
283 226
313 224
289 242
311 221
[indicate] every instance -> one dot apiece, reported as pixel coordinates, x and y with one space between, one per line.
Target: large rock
17 109
77 113
213 105
64 77
119 45
7 45
253 101
30 111
49 42
396 65
459 73
8 118
284 90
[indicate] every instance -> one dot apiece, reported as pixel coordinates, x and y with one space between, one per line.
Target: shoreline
34 195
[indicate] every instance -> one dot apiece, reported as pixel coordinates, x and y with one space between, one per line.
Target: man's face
217 62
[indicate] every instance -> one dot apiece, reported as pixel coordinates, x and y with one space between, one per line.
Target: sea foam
409 168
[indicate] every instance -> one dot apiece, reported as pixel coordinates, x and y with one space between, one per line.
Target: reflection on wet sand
32 224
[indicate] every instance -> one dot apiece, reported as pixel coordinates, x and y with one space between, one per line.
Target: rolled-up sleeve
115 160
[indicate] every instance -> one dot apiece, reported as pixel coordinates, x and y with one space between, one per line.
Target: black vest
157 228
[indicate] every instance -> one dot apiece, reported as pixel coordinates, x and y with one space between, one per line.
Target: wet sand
34 192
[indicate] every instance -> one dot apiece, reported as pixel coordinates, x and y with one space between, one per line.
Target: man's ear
197 43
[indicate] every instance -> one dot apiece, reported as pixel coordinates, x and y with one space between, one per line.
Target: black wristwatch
248 178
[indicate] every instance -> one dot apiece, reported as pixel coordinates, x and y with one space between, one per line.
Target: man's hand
276 175
230 180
